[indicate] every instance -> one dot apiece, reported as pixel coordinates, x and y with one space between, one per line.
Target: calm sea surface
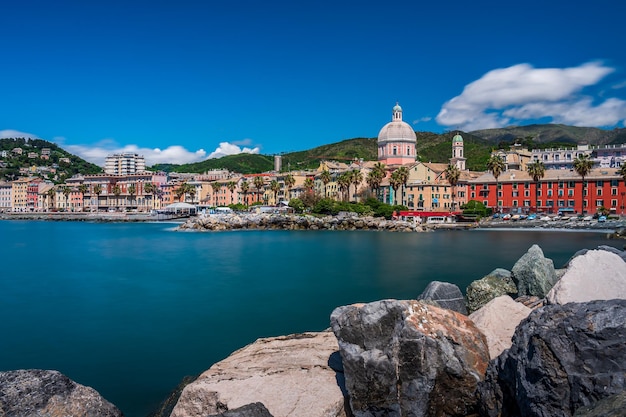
130 309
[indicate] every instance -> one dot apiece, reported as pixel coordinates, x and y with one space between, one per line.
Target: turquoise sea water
130 309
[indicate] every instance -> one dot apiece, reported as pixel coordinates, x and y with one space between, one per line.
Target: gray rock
596 275
498 282
41 393
408 358
446 295
290 375
497 320
250 410
613 406
563 357
533 273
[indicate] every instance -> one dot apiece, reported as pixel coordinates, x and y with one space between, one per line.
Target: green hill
554 133
54 168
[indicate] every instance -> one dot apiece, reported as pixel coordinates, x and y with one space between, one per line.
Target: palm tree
149 189
215 186
132 190
453 173
245 188
326 177
582 166
380 169
66 192
373 181
275 188
97 190
496 166
343 181
82 189
117 191
258 184
181 191
309 184
290 181
403 176
51 194
536 170
356 177
395 181
231 185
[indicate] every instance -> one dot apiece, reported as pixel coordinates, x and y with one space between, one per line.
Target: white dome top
397 130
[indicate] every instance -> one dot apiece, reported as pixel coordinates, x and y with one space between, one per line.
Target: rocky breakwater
264 221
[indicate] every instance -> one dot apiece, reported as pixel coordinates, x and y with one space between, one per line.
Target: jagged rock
409 358
498 282
290 375
533 273
497 320
250 410
446 295
595 275
531 301
563 357
613 406
41 393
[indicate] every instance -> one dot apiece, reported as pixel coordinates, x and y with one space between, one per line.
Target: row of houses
426 189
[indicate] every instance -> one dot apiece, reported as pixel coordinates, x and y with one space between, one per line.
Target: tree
51 195
66 192
344 182
97 190
245 188
290 181
215 186
496 166
116 192
150 189
582 166
395 181
453 173
325 176
231 185
132 190
259 182
403 176
275 188
356 177
536 170
309 185
82 189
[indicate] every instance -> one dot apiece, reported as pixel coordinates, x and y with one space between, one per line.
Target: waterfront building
124 164
19 194
6 196
397 141
559 190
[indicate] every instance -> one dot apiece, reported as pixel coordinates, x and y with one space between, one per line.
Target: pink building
396 141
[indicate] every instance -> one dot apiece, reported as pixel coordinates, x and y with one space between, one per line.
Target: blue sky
181 81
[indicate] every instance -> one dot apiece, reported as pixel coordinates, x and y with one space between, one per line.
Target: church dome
397 130
397 107
457 138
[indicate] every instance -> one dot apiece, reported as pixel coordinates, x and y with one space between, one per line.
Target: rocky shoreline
534 340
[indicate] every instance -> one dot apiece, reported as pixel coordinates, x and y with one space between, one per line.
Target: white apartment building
124 164
6 196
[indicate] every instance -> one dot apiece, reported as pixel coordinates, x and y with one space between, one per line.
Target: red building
559 190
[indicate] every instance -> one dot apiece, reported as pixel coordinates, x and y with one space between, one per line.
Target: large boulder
613 406
563 357
533 273
498 282
409 358
250 410
497 320
41 393
595 275
289 375
445 295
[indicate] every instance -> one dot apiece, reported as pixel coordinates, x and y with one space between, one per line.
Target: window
473 187
526 203
560 184
526 185
514 203
515 194
561 203
538 203
560 193
614 183
613 203
570 203
599 183
550 203
395 150
613 191
515 186
473 194
549 193
499 194
571 184
526 193
549 184
599 191
570 193
599 203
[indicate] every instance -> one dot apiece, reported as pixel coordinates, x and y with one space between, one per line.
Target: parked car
588 218
506 217
531 217
602 219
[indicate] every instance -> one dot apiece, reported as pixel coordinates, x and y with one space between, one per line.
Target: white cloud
521 92
10 133
226 148
172 154
422 120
